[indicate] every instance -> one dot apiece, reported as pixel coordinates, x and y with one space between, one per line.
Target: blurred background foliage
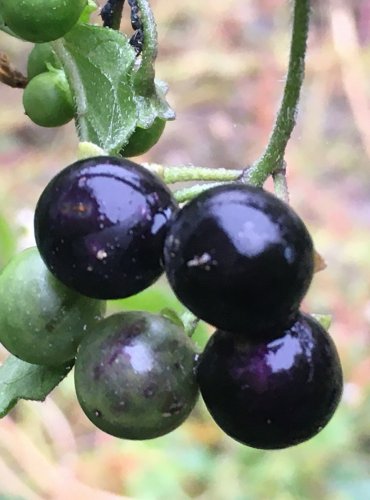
225 62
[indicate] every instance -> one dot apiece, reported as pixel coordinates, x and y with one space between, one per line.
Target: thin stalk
172 174
145 73
273 156
78 91
9 75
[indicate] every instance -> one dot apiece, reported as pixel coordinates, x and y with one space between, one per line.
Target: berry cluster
47 99
236 256
242 260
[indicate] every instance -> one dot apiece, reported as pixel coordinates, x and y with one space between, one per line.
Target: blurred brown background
225 62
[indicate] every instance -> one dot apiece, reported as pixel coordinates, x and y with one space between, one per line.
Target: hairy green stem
172 174
273 155
145 74
73 76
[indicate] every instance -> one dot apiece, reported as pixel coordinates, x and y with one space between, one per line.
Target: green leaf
21 380
153 299
98 63
155 105
172 316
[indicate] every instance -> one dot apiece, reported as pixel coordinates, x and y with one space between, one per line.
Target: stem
172 174
145 74
273 156
74 80
9 75
111 14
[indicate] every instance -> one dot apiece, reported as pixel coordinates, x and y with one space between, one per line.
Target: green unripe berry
47 99
40 57
39 20
143 139
135 375
41 320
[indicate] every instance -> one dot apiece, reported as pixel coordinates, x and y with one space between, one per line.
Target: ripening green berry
143 139
41 320
40 57
47 99
135 375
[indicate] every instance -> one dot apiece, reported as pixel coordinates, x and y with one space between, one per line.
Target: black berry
239 258
135 375
272 394
100 226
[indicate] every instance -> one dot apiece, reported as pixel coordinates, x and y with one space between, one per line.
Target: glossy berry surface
273 394
143 139
47 99
100 226
41 320
135 375
40 20
239 258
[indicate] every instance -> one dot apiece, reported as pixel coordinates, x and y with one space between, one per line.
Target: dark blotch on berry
273 394
100 226
125 382
240 259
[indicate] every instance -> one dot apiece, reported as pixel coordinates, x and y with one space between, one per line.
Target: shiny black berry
100 226
135 375
273 394
240 259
